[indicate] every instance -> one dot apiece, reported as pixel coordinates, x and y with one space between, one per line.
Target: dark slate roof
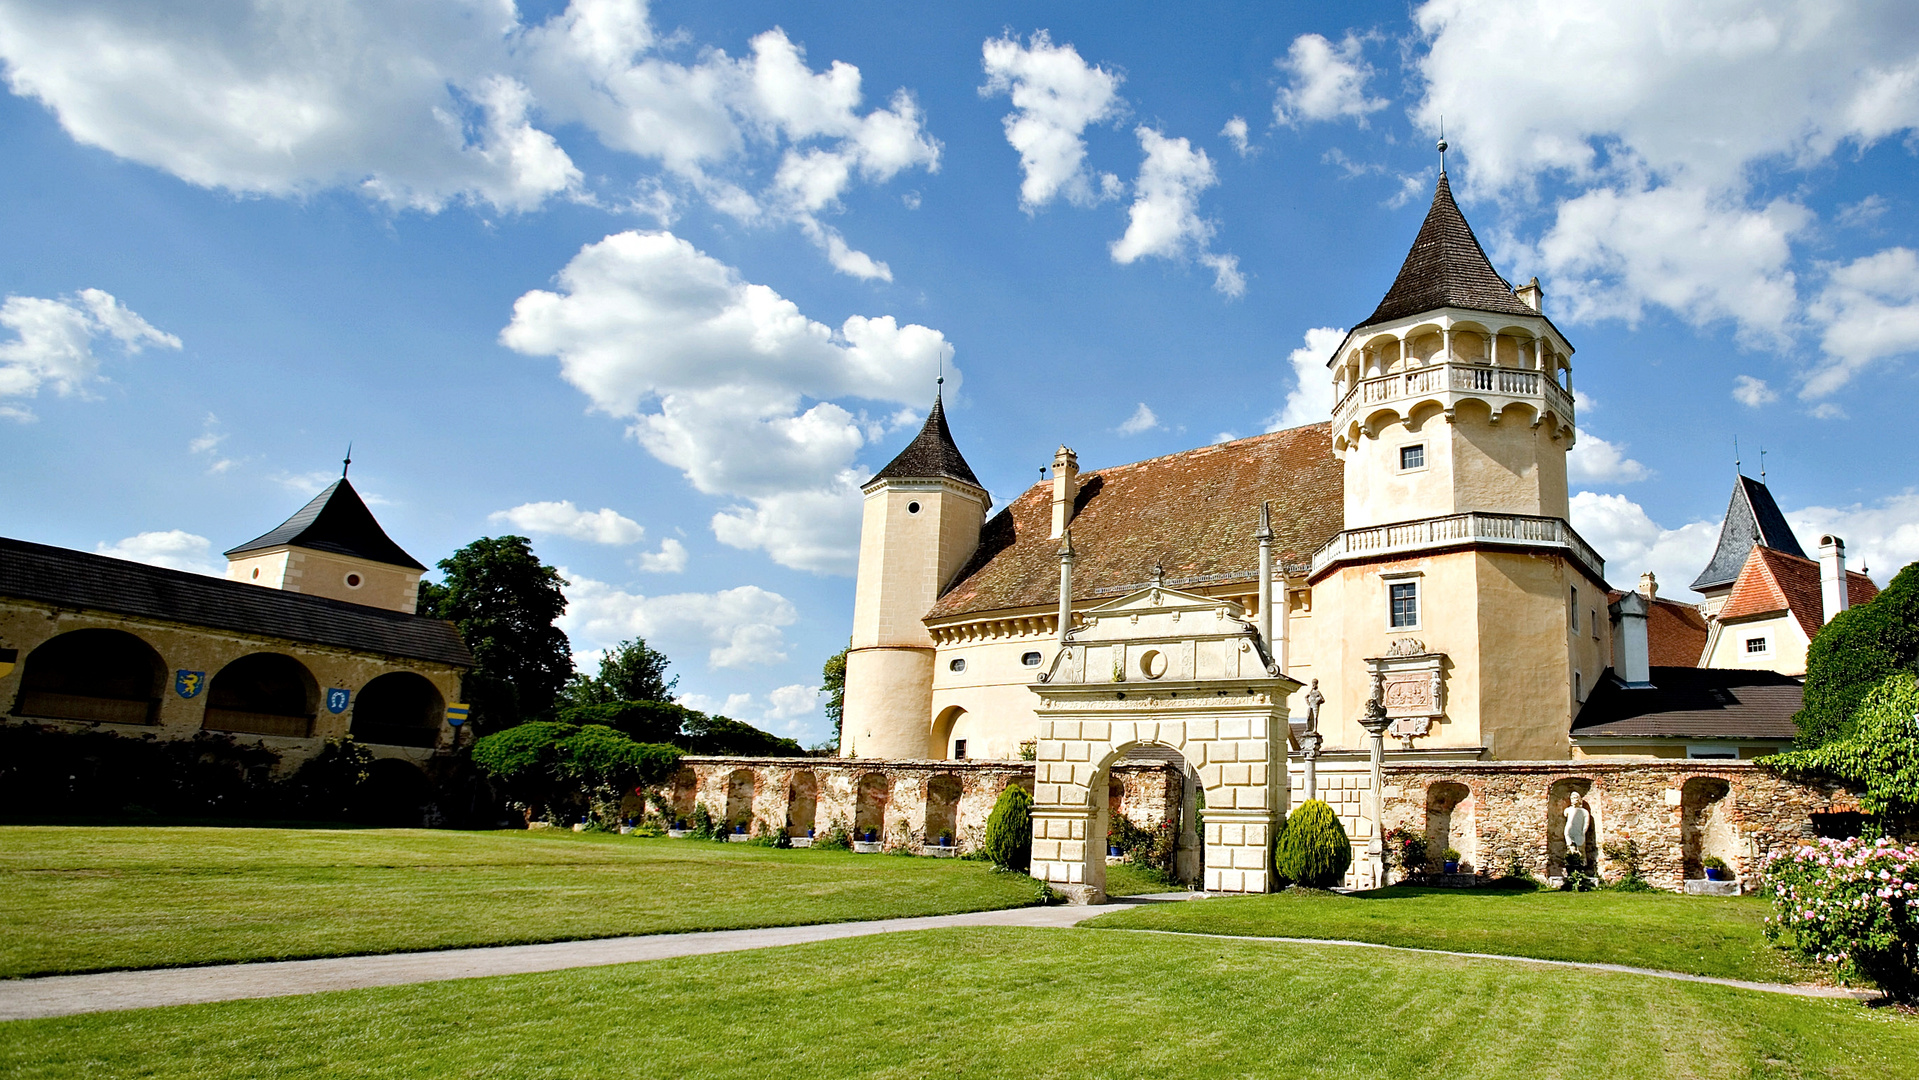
1689 702
337 521
1192 512
76 579
931 454
1446 268
1752 518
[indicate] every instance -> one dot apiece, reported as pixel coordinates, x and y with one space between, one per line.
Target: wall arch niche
263 694
942 808
739 798
1449 824
400 708
686 788
109 676
869 811
1558 798
802 803
1705 826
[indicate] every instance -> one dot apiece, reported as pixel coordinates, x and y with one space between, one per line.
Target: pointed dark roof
337 521
1752 519
1446 268
931 454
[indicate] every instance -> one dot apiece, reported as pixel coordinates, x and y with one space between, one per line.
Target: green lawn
1699 935
998 1002
1124 880
88 899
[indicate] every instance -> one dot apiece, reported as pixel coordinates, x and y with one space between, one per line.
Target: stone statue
1578 820
1314 699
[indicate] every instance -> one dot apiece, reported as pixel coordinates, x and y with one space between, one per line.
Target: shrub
835 837
1451 855
701 825
1880 755
1314 850
560 771
1406 850
1009 829
1854 905
1855 652
1154 850
1713 862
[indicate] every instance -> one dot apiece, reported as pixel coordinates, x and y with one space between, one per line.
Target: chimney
1531 295
1832 576
1649 586
1065 489
1632 660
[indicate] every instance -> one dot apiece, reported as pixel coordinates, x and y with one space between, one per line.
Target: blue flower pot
1713 873
1452 867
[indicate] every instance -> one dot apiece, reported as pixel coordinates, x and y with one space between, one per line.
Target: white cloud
1225 436
603 526
1310 401
175 549
1235 132
1142 420
207 444
1593 460
1869 311
54 341
1164 219
1055 96
1632 543
1752 392
739 627
1327 81
733 706
670 559
788 702
1862 213
1883 537
716 375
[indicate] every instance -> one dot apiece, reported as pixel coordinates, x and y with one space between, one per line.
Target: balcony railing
1503 530
1458 378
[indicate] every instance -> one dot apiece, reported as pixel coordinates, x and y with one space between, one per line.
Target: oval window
912 508
1152 663
1030 659
353 581
256 573
957 665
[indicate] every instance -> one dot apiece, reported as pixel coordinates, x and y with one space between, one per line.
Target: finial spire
348 463
1762 463
1159 574
1738 466
1442 145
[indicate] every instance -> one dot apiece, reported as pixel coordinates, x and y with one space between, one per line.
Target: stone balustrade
1444 381
1452 530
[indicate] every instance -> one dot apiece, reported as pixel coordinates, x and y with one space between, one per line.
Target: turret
332 547
920 524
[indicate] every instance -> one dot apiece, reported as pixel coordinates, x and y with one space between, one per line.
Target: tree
1854 653
1009 829
505 603
632 671
1313 850
833 684
1879 754
689 729
557 770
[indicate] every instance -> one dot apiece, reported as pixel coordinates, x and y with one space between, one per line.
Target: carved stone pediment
1410 684
1157 634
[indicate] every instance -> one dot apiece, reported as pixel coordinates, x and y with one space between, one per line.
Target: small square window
1412 457
1756 645
959 749
1405 603
1592 619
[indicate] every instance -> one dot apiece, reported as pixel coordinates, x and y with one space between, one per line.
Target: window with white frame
1403 604
1412 457
1759 645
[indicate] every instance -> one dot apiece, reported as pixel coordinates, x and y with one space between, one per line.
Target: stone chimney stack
1632 650
1832 576
1649 586
1531 295
1065 489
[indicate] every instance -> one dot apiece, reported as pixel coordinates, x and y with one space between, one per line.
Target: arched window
99 674
263 694
400 708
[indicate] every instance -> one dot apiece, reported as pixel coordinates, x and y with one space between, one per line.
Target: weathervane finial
348 463
1442 145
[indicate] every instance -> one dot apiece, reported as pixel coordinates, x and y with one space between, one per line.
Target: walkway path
67 995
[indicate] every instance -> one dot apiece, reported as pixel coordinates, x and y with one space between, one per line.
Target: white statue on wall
1578 821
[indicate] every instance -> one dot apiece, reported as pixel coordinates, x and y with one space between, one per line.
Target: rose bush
1852 904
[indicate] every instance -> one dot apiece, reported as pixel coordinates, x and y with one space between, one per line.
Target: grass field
1699 935
999 1002
90 899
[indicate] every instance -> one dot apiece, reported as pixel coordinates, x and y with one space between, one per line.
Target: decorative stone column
1372 873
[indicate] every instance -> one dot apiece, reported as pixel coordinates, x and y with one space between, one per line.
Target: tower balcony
1446 385
1521 531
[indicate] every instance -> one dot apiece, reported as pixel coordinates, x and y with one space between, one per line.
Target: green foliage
557 771
329 784
1855 652
1155 850
1577 877
430 600
689 729
1879 753
1314 850
1406 850
1713 862
51 772
505 603
1626 854
1853 904
1009 829
701 825
833 683
835 837
631 671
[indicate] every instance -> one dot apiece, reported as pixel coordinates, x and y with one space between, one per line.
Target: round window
1152 663
353 581
957 665
256 573
912 508
1030 659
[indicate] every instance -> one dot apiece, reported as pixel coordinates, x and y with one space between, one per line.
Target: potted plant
1716 868
809 832
1451 860
740 829
872 835
946 839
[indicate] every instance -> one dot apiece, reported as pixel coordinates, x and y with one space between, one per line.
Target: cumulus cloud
788 702
175 549
1593 460
1235 132
1325 82
1142 420
730 383
53 346
670 559
207 445
1869 310
1310 401
1882 536
739 627
1752 392
1055 95
1632 543
1164 219
603 526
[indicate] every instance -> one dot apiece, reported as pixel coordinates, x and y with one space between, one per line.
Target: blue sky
659 287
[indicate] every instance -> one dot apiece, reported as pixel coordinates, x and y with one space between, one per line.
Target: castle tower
920 524
334 548
1453 416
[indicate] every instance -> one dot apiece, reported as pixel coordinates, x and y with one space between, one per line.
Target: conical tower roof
1752 520
1446 268
931 453
337 521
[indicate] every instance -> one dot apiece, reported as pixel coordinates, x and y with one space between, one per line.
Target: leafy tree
430 599
833 682
1314 850
1854 653
1009 829
556 770
505 603
689 729
632 671
1879 754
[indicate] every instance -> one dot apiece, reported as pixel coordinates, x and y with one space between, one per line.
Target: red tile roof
1675 632
1193 513
1773 581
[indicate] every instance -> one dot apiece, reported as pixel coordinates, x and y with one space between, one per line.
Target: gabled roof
337 521
1707 703
77 579
1192 512
1772 582
932 454
1446 268
1675 632
1751 518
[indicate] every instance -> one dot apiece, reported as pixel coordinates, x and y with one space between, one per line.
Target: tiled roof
1708 703
337 521
1675 632
76 579
932 453
1446 268
1752 518
1193 512
1773 581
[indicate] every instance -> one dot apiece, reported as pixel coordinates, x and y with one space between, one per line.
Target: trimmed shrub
1852 904
1314 850
559 771
1855 652
1009 829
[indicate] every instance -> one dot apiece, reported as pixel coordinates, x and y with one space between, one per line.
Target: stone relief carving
1406 646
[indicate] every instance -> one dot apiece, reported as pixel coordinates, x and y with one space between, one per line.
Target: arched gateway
1177 669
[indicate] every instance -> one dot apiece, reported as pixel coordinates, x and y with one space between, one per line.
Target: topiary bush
1855 652
1314 850
1009 830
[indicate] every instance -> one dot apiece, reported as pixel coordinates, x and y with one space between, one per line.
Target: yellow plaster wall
888 708
906 558
1472 464
1528 651
1789 645
324 573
